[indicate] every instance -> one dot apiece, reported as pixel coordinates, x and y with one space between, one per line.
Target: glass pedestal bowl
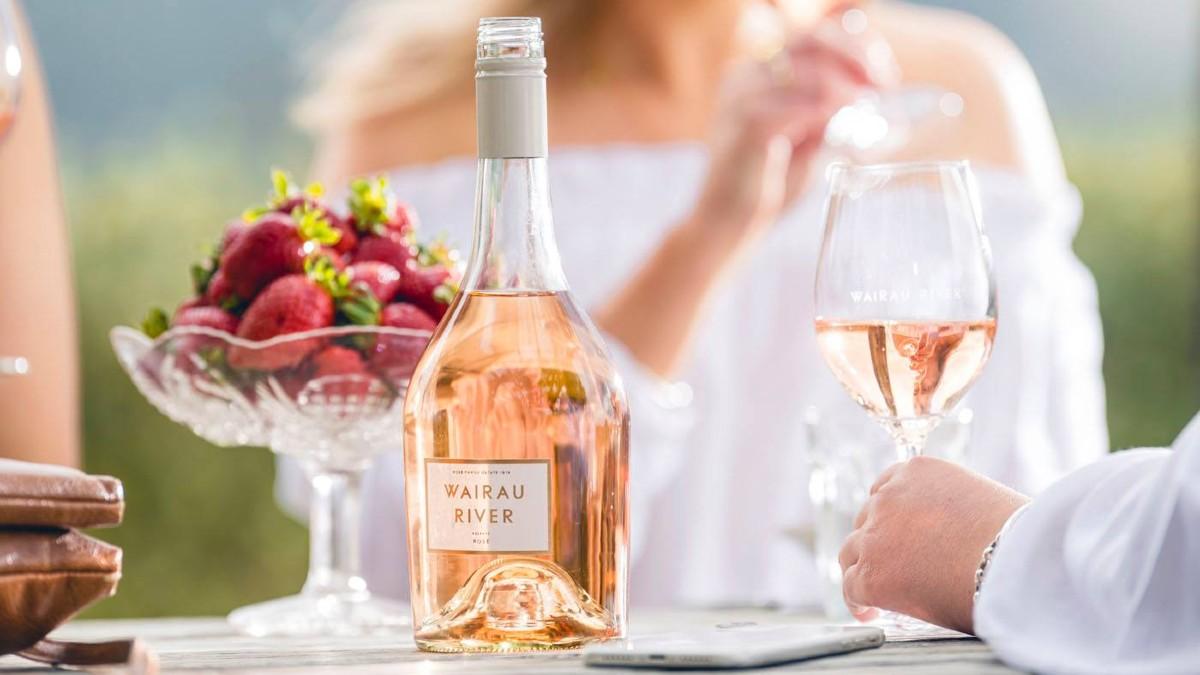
331 414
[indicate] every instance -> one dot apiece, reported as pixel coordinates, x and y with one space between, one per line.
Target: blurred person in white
39 412
687 183
1098 574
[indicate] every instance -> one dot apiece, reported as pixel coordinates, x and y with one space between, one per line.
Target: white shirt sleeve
1101 574
1042 390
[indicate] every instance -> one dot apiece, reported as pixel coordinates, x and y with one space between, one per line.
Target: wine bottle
516 424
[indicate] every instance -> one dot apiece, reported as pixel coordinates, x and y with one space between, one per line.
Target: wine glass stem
906 450
333 562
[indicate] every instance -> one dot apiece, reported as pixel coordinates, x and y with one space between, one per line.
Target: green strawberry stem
370 203
355 302
156 323
313 225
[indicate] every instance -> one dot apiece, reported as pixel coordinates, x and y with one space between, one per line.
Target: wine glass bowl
331 421
905 297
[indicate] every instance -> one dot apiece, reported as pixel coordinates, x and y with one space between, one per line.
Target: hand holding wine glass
903 527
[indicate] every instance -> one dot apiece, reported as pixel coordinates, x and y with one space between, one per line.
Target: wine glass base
323 615
899 626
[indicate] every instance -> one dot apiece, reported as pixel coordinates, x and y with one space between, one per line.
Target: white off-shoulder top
718 474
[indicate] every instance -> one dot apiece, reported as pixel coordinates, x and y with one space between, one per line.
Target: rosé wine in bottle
516 424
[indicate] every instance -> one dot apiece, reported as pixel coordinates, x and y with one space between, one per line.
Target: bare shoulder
1004 121
422 134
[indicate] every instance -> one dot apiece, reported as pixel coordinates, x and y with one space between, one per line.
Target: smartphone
741 645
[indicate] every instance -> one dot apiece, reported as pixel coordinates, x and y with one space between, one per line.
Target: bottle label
498 506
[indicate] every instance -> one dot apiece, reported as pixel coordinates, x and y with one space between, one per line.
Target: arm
38 412
1097 575
768 130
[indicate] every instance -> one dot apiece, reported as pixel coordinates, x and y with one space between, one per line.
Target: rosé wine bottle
516 424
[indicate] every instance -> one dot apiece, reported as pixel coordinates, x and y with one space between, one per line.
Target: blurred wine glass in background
10 65
878 124
881 123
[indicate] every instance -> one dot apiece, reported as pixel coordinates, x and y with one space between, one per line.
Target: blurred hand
770 122
918 540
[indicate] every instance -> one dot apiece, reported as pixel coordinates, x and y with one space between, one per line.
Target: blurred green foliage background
168 128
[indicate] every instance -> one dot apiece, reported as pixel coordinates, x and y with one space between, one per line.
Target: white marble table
208 645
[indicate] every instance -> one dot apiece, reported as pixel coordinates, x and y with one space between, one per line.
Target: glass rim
923 166
230 339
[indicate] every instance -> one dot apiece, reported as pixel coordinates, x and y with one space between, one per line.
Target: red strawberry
338 360
395 356
220 293
423 286
404 218
194 353
208 317
235 229
291 304
345 227
381 278
340 371
391 248
407 315
271 248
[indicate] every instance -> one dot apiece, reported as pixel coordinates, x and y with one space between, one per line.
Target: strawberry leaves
283 190
156 323
354 302
370 202
314 225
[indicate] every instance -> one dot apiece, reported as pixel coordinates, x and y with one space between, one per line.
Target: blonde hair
390 55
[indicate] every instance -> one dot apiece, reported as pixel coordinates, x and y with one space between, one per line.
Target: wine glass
10 65
879 123
905 297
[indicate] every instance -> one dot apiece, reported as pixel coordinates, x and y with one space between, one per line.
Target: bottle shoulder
540 338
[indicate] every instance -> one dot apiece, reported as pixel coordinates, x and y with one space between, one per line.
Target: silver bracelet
988 552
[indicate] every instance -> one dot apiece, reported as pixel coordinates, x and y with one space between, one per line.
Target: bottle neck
514 248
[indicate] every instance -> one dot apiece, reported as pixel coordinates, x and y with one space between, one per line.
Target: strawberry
233 230
340 371
271 248
345 228
391 248
291 304
337 360
407 315
196 354
430 288
219 293
208 317
404 218
395 356
378 277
